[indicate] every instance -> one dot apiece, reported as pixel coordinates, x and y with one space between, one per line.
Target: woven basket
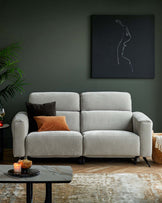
156 154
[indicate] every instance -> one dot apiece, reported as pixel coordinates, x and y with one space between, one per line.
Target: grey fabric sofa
102 124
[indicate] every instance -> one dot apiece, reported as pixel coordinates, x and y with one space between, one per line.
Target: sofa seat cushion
54 144
110 143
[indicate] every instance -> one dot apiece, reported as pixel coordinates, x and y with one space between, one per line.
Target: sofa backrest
106 111
67 104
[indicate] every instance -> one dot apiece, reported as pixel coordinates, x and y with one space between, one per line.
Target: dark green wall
55 37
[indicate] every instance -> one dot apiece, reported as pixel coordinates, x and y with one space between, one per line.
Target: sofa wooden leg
81 160
145 159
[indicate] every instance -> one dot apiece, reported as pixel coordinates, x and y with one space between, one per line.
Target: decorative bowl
25 163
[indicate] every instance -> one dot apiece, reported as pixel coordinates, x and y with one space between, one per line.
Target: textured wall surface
55 55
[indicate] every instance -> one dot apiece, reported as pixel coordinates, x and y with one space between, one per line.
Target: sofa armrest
142 126
20 128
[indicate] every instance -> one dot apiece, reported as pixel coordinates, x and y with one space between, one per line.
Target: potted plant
11 79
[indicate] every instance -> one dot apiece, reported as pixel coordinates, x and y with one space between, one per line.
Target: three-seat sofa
101 124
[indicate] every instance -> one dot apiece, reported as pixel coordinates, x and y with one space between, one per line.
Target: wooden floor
95 165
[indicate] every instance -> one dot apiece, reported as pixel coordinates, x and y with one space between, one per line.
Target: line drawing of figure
125 38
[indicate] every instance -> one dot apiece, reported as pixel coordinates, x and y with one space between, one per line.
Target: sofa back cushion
72 119
116 101
65 101
106 120
106 111
67 104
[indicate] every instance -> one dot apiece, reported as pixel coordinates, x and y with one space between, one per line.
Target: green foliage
11 79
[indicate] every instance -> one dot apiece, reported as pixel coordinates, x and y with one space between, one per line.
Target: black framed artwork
122 46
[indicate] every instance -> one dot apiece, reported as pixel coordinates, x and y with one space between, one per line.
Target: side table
1 139
156 153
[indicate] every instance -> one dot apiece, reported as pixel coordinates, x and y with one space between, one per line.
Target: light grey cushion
20 128
106 120
72 119
65 101
142 125
54 144
120 101
111 144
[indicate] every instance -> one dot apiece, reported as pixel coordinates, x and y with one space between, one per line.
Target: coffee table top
51 174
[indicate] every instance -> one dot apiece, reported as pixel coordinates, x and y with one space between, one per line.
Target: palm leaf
10 73
11 89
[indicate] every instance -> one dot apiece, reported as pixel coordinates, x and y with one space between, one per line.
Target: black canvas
122 46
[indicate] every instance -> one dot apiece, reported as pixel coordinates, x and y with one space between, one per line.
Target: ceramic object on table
25 165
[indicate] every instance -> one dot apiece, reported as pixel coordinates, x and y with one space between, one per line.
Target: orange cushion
51 123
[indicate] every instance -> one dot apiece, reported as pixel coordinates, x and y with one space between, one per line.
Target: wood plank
95 165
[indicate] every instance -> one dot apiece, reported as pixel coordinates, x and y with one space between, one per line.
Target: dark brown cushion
47 109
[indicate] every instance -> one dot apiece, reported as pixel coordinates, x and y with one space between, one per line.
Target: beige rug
92 188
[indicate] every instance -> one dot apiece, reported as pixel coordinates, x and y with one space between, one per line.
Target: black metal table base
48 193
29 193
